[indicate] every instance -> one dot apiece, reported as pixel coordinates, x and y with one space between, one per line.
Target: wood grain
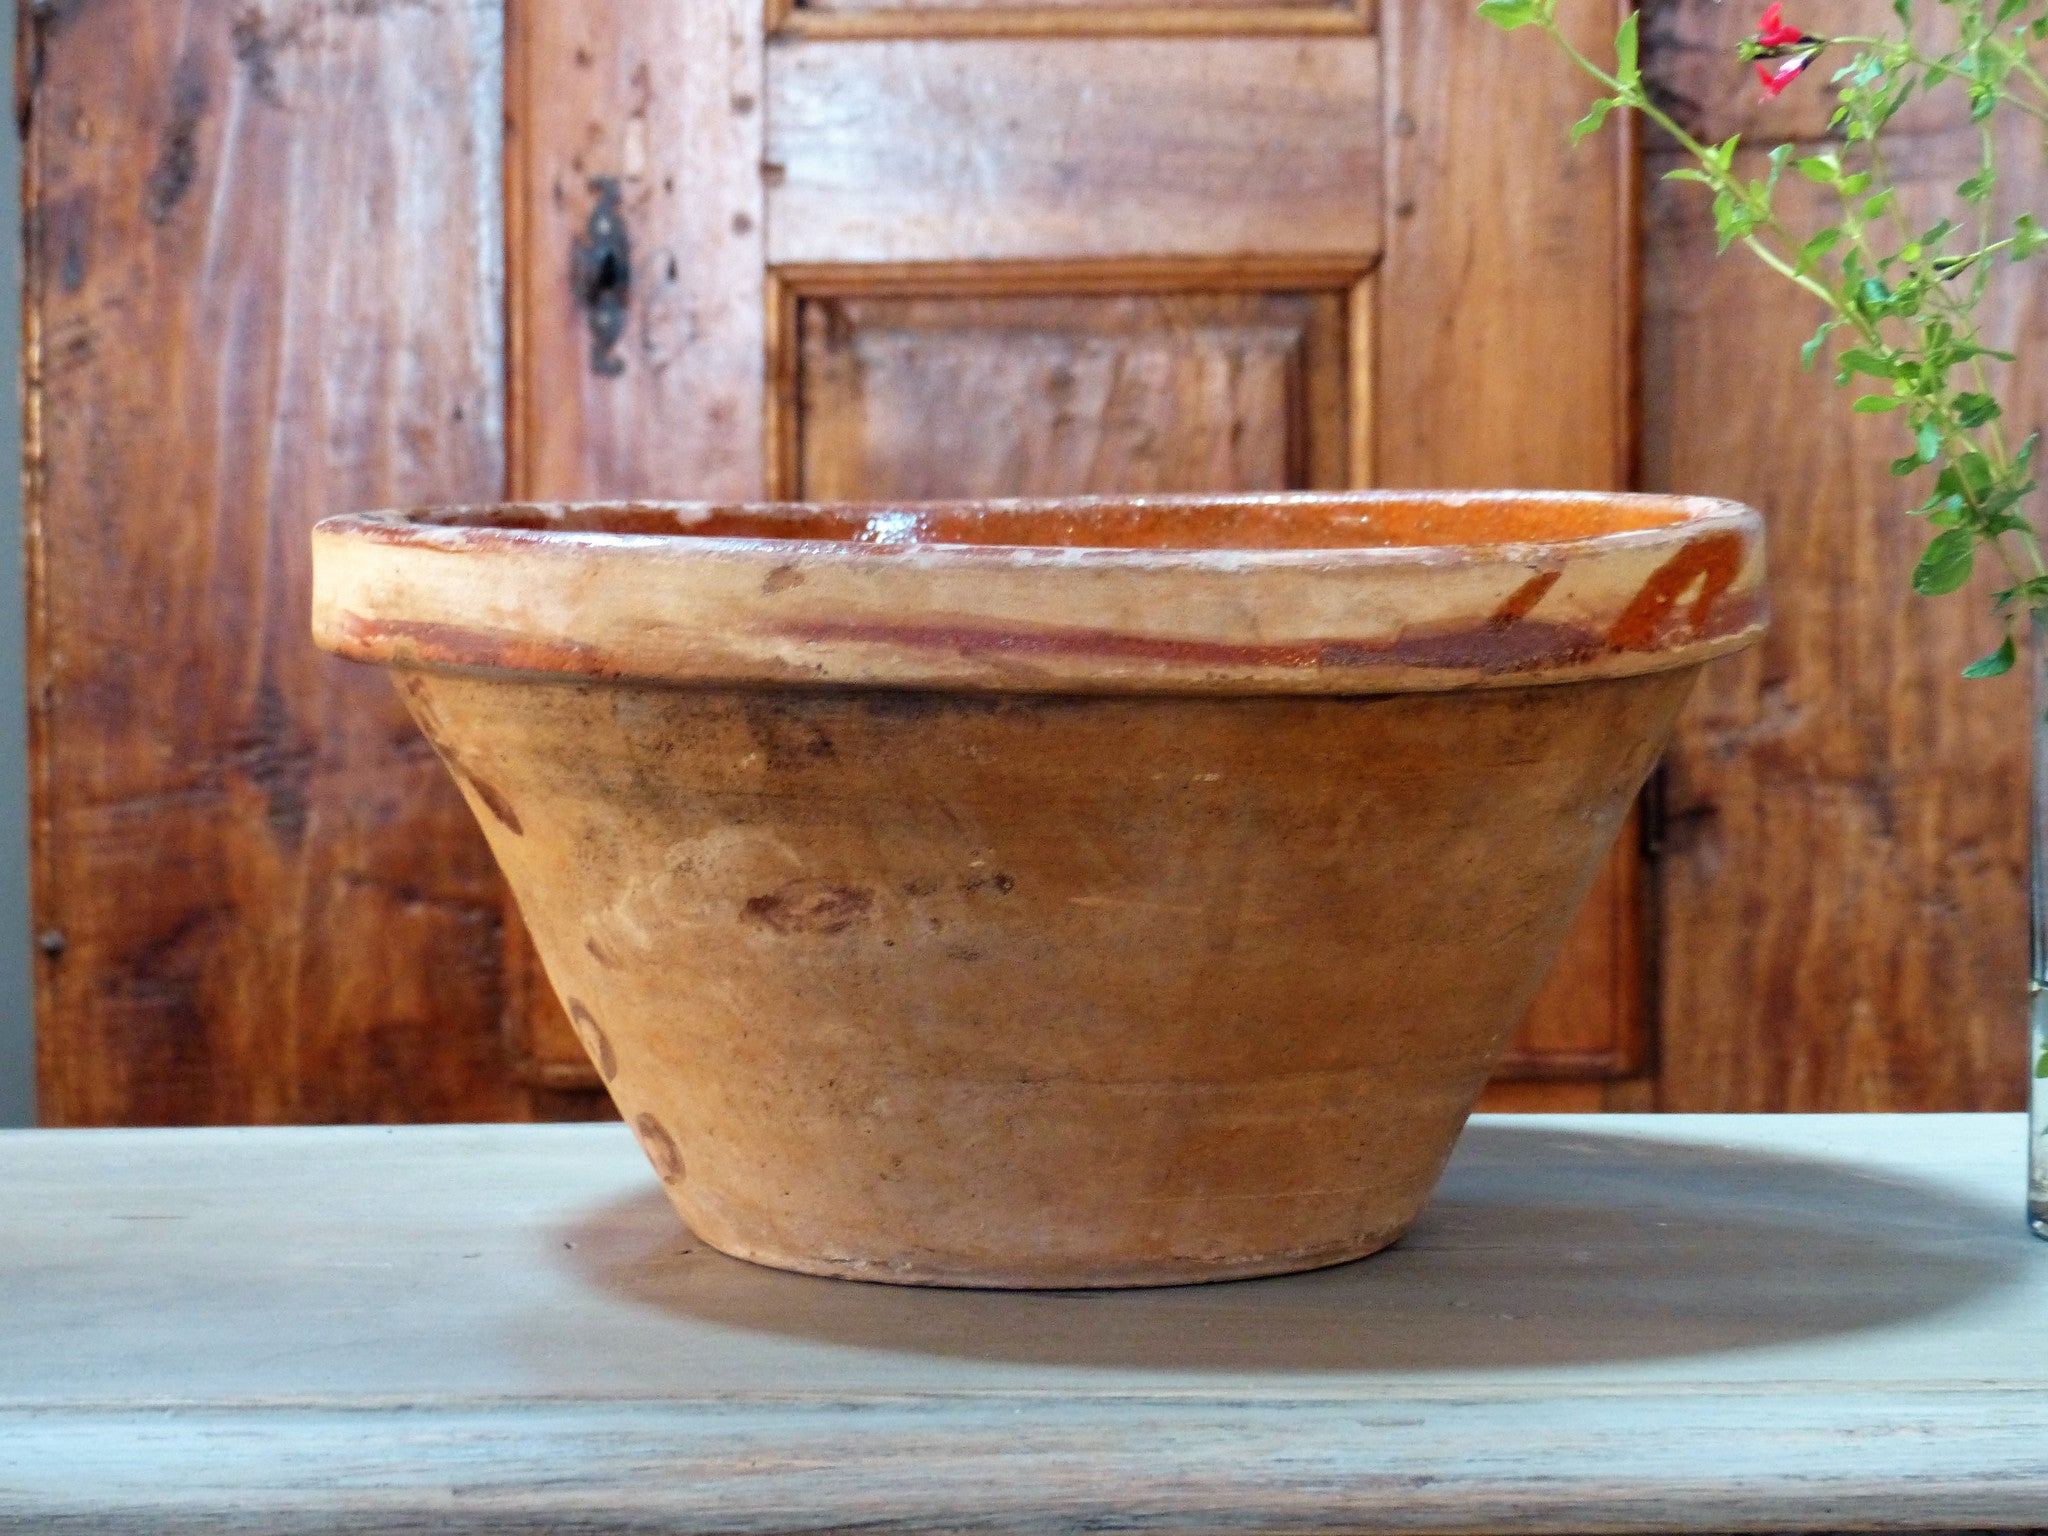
1161 393
1506 341
264 285
982 149
1599 1325
667 102
1082 18
1508 327
1097 12
1844 908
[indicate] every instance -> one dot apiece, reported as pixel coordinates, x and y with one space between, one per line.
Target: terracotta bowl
1082 893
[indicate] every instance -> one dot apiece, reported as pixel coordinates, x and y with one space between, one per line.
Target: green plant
1902 300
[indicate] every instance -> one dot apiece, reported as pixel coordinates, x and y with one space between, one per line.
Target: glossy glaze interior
1165 523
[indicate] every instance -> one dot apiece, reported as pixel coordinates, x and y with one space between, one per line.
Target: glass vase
2037 1043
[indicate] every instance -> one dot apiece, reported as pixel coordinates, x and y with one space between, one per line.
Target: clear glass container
2037 1047
2037 1098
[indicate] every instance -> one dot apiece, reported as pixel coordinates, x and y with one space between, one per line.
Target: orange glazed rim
1332 593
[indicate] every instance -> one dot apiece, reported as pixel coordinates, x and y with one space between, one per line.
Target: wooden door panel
662 103
982 149
1845 914
1051 395
1038 18
264 285
1507 339
1100 13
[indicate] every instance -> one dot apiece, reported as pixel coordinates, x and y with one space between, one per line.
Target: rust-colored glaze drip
413 642
1711 564
1522 602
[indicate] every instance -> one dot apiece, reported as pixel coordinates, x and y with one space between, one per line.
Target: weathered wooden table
1611 1324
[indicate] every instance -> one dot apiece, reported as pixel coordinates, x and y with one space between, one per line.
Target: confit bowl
1103 892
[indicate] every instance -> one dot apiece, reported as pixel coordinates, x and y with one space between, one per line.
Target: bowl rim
463 589
468 526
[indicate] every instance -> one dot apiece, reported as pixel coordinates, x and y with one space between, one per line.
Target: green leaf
1997 664
1928 439
1731 221
1856 360
1590 123
1687 173
1978 187
1780 157
1811 351
1510 14
2027 237
1873 296
2033 592
1963 351
1974 410
1818 247
1969 476
1870 405
1825 169
1947 563
1625 52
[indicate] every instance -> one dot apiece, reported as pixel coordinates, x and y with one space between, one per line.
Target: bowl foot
1066 1275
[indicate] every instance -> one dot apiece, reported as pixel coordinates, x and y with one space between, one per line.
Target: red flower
1772 32
1776 77
1792 49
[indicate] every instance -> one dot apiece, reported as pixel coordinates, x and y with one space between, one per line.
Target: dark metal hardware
602 268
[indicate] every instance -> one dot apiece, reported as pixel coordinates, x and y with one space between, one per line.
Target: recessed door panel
1052 395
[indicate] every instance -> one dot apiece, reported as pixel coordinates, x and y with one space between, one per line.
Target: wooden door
844 248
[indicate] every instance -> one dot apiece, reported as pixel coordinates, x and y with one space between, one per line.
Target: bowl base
1106 1276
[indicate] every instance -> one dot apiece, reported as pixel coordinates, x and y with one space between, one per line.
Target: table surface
1614 1323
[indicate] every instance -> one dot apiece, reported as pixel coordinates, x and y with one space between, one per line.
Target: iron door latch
602 269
